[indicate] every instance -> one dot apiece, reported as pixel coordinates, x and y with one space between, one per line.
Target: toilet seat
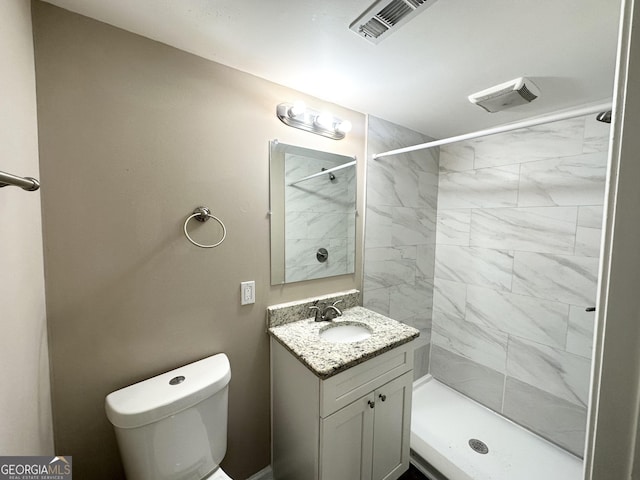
219 474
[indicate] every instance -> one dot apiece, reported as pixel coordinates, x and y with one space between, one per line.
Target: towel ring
202 214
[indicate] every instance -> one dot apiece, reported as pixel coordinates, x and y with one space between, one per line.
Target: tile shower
400 231
499 281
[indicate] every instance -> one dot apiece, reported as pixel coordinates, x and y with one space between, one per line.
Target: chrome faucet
331 311
326 313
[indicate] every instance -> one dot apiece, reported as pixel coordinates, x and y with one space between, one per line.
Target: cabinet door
347 442
392 428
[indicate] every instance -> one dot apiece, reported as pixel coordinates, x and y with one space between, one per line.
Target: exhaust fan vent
384 17
518 91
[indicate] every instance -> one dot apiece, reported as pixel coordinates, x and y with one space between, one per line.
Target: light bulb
324 120
344 126
298 108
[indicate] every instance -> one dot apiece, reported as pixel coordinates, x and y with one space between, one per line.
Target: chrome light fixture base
304 118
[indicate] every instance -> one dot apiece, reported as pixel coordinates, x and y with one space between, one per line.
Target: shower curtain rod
565 115
324 172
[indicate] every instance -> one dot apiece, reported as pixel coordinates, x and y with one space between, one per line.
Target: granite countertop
325 358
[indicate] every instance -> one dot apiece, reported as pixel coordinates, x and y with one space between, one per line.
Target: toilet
174 426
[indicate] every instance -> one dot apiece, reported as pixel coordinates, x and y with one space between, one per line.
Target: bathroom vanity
341 409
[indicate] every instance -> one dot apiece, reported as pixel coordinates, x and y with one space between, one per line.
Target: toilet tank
173 426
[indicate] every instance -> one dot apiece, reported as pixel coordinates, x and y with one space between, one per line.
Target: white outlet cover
247 292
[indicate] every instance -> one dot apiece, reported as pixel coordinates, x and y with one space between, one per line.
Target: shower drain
478 446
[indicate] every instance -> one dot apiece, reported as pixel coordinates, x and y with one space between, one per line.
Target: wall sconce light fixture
321 123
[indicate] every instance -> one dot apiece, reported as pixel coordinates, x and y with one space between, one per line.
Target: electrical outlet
247 292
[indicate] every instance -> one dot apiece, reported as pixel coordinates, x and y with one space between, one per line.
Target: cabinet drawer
342 389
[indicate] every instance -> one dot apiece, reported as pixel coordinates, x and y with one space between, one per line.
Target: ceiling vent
385 17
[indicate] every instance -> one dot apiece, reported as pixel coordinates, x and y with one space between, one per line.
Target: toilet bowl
174 426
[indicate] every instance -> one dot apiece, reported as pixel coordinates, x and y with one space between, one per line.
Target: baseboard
265 474
425 467
424 379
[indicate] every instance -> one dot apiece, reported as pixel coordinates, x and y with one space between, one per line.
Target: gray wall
400 232
518 241
134 135
25 400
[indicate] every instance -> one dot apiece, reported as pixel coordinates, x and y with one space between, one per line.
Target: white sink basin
345 332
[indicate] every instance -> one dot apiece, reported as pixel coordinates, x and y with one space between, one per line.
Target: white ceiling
420 76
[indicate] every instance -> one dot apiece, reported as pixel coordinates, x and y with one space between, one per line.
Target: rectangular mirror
313 213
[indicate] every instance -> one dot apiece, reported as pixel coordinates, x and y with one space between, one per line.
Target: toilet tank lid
168 393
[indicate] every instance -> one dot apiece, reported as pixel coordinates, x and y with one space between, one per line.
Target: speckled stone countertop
324 358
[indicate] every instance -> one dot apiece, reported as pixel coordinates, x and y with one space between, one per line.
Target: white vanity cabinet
365 439
354 425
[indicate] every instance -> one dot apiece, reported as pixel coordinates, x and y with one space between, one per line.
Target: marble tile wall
319 213
519 222
400 232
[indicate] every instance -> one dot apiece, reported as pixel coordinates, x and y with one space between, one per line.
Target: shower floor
443 421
